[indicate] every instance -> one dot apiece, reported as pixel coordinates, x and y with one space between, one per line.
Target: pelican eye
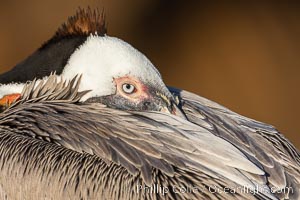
128 88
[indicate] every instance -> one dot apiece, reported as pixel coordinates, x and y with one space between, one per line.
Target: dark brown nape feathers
54 54
83 23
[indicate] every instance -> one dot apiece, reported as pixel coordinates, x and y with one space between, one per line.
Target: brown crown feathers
83 23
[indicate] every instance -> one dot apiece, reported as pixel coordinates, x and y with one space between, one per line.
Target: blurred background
244 56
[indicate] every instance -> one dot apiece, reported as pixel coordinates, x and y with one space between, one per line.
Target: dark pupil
128 86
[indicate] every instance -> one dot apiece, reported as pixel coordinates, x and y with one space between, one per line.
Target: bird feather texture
78 150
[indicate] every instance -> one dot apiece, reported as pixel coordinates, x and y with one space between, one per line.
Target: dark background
243 55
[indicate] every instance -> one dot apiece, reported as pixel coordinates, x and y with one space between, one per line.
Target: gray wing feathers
140 141
262 143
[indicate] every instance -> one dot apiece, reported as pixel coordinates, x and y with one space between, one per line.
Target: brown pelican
118 132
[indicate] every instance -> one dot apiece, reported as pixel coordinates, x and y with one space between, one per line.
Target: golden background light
245 56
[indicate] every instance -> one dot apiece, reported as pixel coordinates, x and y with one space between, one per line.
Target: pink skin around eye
141 90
